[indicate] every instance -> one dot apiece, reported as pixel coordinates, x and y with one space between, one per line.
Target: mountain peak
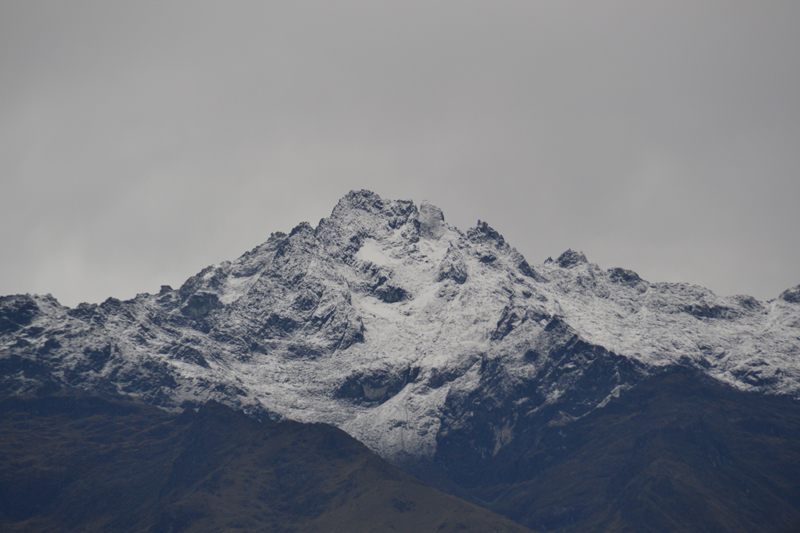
364 213
361 199
483 232
363 202
570 258
791 295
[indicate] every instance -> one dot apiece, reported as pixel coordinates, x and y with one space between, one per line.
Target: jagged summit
570 258
408 333
367 213
791 295
482 232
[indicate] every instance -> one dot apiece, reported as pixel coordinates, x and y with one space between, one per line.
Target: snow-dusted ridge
404 331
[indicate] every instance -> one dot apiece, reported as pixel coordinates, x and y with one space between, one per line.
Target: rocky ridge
422 341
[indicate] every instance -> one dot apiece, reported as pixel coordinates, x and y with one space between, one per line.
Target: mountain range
562 395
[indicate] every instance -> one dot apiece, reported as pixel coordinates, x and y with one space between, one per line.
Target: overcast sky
142 141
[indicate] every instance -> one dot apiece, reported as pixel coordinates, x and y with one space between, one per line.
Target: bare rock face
429 344
791 295
16 312
571 258
431 221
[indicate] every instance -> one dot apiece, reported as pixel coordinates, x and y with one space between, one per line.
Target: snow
444 329
236 288
371 252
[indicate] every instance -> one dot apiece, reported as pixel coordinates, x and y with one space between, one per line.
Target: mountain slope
81 463
680 452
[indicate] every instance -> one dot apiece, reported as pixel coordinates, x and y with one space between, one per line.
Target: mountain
443 351
76 462
678 452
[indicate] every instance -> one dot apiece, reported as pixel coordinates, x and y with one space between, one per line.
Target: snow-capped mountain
411 335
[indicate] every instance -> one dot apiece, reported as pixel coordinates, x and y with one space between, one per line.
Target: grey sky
142 141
